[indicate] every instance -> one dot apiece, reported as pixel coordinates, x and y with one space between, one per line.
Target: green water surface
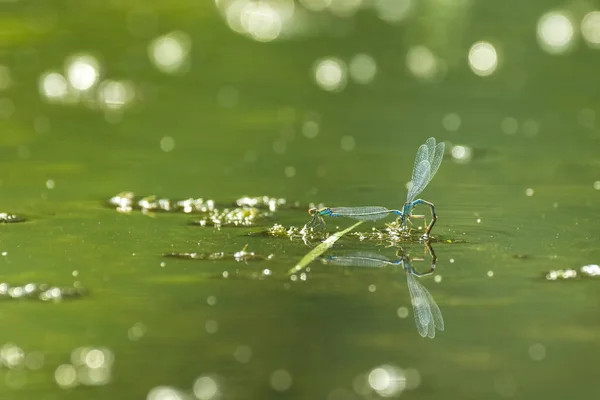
509 333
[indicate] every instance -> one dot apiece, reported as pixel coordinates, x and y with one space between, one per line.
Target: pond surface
194 110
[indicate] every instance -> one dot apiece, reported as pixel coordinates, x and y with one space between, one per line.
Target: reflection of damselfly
428 316
428 160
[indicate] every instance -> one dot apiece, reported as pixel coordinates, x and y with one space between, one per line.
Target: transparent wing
435 158
422 155
368 213
438 320
420 305
421 177
359 259
430 143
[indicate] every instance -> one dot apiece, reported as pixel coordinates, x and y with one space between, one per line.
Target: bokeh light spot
555 32
330 74
53 86
169 53
281 380
363 68
205 388
483 58
82 71
590 29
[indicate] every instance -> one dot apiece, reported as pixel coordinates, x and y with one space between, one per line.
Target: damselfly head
312 211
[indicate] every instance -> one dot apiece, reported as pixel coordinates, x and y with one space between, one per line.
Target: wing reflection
428 316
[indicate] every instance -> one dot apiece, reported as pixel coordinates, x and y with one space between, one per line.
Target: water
239 117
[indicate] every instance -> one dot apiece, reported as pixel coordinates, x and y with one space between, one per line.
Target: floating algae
587 271
240 256
393 234
270 203
292 233
43 292
11 218
127 202
246 211
235 217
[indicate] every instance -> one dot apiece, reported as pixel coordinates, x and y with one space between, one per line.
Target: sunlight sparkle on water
281 380
422 63
537 352
348 143
82 71
136 331
387 380
211 326
242 354
509 125
461 154
290 171
393 10
310 126
5 80
590 29
93 366
11 355
330 74
483 58
53 86
555 32
66 376
344 8
166 393
451 122
261 21
167 144
402 312
115 94
363 68
315 5
170 52
206 388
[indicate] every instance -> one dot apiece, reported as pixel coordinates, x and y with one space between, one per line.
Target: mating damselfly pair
428 160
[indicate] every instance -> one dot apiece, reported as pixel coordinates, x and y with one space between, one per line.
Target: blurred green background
314 101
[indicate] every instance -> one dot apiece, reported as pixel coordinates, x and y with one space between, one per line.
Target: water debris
262 202
7 218
43 292
127 202
294 232
240 256
240 216
394 233
587 271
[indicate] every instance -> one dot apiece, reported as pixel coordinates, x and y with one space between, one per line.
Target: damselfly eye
312 211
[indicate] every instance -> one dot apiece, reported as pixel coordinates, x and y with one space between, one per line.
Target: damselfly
428 160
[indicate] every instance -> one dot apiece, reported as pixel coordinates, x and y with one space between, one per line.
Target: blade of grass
320 249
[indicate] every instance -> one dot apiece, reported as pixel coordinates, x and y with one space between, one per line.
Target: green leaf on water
320 249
